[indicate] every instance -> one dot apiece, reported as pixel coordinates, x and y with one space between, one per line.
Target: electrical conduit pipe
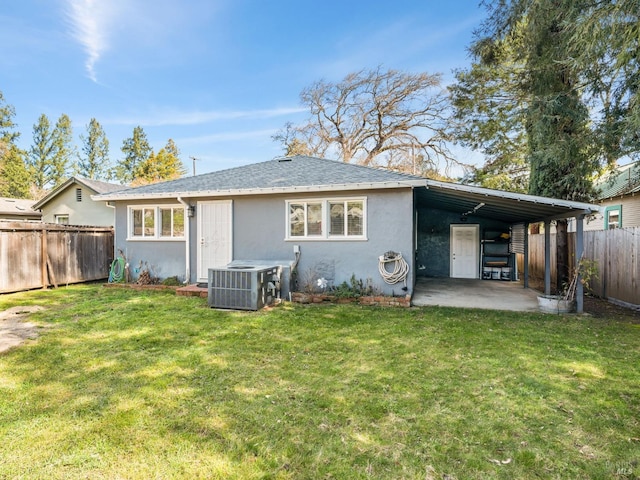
187 241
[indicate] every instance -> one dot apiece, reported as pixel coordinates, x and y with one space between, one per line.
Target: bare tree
376 117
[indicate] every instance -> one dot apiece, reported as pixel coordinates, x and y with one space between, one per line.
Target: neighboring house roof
17 207
300 174
623 180
96 186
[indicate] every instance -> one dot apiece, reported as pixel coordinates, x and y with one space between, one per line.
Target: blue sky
217 76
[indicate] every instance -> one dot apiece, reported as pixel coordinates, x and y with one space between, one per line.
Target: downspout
110 205
187 241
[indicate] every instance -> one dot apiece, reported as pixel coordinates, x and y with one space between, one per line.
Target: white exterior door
214 236
465 243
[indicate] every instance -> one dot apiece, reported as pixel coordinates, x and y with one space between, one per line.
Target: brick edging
382 301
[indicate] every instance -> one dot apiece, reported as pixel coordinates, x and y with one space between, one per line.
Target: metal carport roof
508 207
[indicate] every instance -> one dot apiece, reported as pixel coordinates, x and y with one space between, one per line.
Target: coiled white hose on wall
399 271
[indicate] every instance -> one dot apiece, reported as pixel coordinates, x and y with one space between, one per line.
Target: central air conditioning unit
242 287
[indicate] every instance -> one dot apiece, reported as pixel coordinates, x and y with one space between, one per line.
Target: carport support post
579 252
547 257
526 255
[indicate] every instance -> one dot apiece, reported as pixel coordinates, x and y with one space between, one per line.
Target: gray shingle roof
280 174
100 187
18 207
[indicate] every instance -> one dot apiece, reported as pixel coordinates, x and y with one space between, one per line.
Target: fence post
43 258
578 259
526 255
547 257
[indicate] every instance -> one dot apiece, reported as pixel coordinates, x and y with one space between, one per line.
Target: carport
442 207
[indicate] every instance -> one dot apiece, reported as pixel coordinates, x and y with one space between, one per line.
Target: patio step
192 291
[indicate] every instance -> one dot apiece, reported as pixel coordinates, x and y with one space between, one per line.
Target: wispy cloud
202 117
89 21
127 25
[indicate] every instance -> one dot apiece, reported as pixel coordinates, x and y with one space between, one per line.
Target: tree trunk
562 255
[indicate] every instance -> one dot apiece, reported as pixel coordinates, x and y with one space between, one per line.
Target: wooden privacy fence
616 253
37 255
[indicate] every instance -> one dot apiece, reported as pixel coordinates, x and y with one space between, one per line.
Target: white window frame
326 219
157 223
172 209
611 211
60 216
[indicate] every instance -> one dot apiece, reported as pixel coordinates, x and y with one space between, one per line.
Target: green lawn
126 384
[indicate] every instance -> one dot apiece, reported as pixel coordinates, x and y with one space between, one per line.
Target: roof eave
261 191
60 188
554 202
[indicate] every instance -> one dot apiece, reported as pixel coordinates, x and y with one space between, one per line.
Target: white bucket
495 273
486 273
505 273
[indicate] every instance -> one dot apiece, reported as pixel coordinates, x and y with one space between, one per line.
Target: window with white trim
327 219
62 219
155 222
613 217
172 222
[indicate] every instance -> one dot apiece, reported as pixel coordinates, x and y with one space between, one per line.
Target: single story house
619 197
70 203
335 220
18 210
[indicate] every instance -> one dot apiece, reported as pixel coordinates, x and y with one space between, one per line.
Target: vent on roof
78 194
284 159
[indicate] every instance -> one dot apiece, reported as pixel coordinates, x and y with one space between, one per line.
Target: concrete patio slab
468 293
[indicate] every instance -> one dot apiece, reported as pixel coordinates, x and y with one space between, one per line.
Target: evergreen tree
562 163
605 47
40 153
15 181
136 151
593 48
490 113
64 151
95 162
162 166
14 177
49 156
7 127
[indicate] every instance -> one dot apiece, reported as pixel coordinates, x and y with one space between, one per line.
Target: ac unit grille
239 289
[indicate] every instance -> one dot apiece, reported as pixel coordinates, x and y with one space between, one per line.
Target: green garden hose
117 271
